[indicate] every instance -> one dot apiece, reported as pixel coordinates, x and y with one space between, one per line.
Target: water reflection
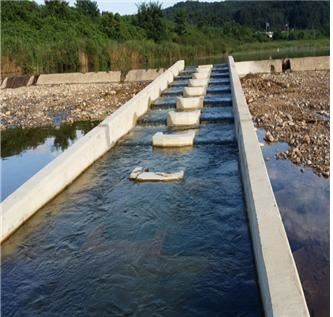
25 151
303 199
16 140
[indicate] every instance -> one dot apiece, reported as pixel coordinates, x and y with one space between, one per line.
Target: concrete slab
280 286
140 174
194 91
198 82
189 103
183 119
174 140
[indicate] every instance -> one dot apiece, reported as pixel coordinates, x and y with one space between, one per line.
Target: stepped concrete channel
210 244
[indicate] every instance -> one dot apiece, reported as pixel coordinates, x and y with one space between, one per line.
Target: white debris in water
141 174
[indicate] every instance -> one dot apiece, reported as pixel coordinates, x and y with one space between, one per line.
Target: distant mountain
255 14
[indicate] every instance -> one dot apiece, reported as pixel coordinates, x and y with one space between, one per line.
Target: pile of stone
37 106
293 108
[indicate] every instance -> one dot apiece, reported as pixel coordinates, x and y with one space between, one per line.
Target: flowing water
110 246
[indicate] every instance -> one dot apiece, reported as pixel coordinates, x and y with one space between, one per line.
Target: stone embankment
37 106
294 108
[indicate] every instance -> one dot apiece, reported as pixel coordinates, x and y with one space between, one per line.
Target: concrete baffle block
189 103
174 140
194 91
184 118
201 75
199 82
205 67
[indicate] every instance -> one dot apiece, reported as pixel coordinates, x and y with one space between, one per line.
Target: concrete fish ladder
63 170
183 118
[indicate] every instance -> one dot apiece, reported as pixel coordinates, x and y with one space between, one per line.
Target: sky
123 7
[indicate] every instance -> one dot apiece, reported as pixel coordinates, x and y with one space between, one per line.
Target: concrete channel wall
64 169
275 65
280 286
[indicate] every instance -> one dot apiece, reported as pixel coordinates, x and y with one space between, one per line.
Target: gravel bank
294 108
37 106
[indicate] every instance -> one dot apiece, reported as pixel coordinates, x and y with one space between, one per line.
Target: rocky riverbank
37 106
294 108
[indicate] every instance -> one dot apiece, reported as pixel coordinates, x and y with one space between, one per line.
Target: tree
56 7
87 7
180 20
110 25
150 19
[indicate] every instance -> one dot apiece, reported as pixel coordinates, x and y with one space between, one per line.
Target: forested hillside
299 15
56 37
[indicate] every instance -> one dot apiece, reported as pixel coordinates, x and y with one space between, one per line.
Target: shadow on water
303 199
25 151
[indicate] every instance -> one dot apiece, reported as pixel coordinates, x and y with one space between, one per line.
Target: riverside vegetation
56 37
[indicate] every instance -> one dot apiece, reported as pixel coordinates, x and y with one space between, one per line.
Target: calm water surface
108 246
260 54
303 199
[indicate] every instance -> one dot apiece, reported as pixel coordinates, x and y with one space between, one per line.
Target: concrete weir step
214 74
207 115
215 89
169 102
196 82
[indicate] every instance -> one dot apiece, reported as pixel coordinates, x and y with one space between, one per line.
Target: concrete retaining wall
4 83
78 78
143 74
310 63
81 78
275 65
64 169
280 286
265 66
17 81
